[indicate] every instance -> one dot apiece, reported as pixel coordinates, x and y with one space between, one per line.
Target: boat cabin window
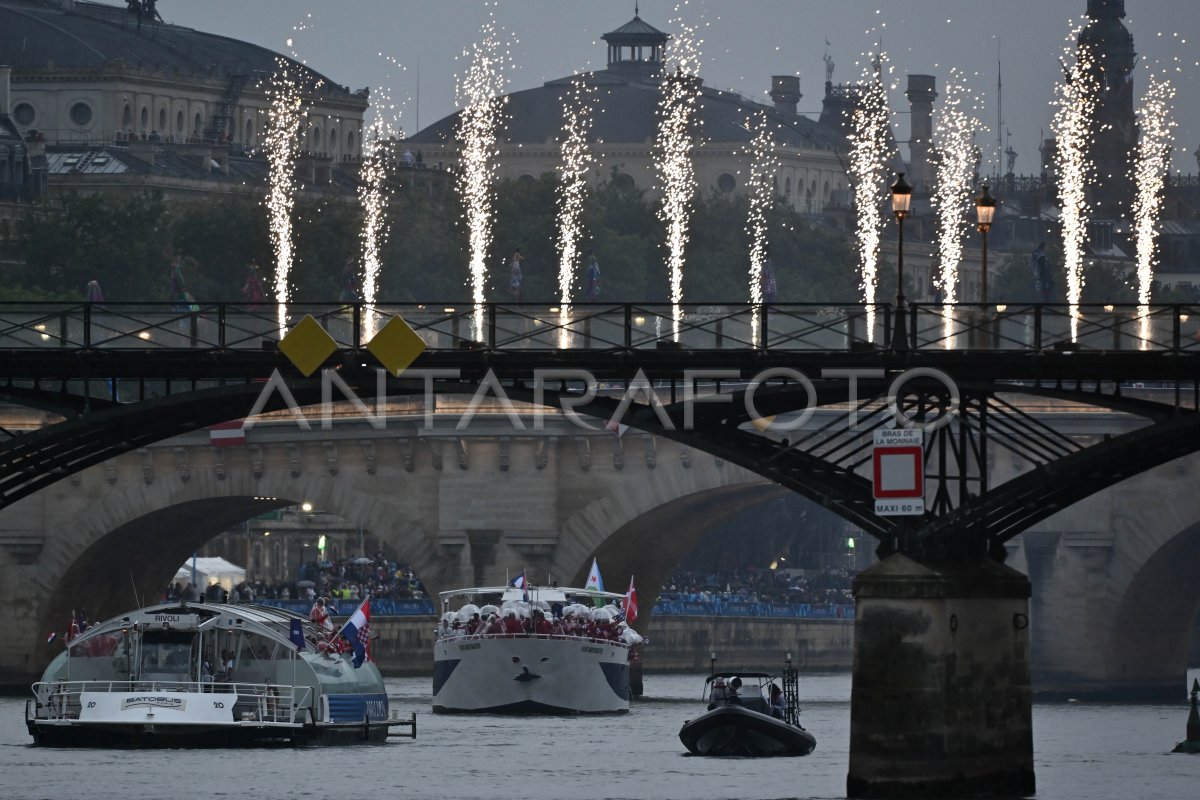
165 655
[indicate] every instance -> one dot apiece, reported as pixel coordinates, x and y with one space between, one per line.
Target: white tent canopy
209 569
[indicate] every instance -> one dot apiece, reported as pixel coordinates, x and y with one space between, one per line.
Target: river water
1082 751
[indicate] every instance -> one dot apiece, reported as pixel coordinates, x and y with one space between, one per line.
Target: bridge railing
597 326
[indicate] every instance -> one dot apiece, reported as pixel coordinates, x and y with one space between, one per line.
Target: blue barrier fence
686 608
380 607
727 608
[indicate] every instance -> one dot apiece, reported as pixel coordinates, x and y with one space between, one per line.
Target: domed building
101 83
811 153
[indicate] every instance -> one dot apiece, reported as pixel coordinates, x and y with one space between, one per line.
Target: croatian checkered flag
357 631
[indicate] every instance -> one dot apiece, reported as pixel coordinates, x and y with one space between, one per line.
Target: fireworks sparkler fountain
479 91
869 170
573 169
763 164
1150 170
373 195
954 135
676 111
1076 97
282 144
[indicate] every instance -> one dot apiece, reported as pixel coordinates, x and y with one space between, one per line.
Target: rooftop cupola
636 45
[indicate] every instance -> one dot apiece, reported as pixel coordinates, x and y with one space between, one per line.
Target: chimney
785 92
922 91
5 90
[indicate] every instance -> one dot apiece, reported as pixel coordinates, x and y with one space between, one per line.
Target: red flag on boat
631 610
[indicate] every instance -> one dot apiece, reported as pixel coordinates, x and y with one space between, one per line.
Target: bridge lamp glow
1183 317
266 533
639 321
144 335
850 543
306 506
1001 308
774 565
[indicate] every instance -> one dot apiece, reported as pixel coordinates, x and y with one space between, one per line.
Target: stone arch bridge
1113 576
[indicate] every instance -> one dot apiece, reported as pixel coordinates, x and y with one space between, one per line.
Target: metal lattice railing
625 326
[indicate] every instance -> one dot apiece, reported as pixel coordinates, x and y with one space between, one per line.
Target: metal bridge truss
124 377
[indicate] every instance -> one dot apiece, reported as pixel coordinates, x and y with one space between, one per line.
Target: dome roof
41 34
625 111
635 31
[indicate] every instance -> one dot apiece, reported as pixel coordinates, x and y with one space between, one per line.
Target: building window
350 142
179 122
199 128
127 118
24 115
162 120
81 114
526 178
333 140
316 138
726 182
249 131
624 181
145 118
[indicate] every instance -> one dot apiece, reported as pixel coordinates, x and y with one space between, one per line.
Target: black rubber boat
742 723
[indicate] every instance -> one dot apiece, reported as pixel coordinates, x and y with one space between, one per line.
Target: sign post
898 472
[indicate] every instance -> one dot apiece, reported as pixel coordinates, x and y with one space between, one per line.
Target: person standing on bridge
516 277
591 291
252 289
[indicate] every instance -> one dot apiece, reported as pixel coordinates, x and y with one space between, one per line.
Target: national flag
631 610
227 434
616 428
521 583
594 582
50 639
297 634
357 631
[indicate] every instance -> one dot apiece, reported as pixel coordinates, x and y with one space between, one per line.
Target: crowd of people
830 586
347 580
539 619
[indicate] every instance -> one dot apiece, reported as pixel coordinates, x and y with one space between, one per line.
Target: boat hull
530 675
137 736
737 731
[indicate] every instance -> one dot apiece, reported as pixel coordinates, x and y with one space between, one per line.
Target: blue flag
297 635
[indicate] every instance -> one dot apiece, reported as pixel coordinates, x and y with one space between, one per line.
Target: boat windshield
165 655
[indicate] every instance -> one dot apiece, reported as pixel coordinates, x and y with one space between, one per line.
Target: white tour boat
179 674
547 650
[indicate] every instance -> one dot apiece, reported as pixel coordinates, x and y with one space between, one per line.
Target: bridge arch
134 518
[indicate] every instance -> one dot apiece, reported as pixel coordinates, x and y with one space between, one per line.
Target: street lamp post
985 211
983 331
901 202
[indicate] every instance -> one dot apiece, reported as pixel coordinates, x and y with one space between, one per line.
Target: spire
1106 9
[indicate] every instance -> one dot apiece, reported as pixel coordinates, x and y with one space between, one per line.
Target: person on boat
320 615
473 624
734 698
778 707
718 695
494 625
541 626
512 625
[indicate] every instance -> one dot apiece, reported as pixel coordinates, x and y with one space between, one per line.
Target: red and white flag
227 434
616 428
631 603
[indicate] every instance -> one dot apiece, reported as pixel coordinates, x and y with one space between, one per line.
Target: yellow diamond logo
307 345
396 346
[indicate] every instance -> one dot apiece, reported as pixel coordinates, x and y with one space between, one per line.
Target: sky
412 49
